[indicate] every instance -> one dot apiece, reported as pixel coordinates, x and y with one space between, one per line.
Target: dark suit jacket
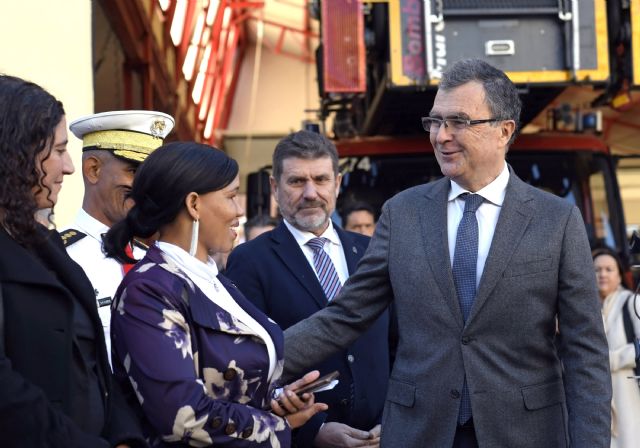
35 367
273 273
527 388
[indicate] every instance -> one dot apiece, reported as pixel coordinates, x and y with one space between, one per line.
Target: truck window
581 178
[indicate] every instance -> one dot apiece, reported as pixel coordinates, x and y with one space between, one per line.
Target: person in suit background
201 359
292 272
359 217
114 144
479 266
56 386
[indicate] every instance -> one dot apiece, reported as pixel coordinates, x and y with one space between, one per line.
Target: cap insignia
157 127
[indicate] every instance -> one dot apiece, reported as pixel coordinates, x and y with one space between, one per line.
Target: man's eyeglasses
432 124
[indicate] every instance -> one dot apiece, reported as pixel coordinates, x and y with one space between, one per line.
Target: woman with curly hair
55 382
202 360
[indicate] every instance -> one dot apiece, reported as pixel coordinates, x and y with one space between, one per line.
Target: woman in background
201 358
55 381
623 355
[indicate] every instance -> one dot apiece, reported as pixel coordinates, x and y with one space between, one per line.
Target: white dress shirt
105 274
204 275
333 247
487 216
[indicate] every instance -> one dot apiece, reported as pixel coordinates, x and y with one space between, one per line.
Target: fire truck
378 66
379 63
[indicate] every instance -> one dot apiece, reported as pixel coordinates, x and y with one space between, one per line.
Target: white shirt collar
303 237
191 265
493 192
91 225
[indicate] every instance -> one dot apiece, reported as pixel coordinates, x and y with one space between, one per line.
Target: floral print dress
200 374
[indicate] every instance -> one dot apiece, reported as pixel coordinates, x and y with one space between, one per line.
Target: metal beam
216 30
226 114
230 50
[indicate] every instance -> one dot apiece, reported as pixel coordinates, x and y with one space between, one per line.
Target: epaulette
139 244
71 236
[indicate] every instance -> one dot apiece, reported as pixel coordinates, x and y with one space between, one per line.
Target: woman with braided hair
201 359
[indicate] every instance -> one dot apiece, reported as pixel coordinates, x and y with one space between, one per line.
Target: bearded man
296 269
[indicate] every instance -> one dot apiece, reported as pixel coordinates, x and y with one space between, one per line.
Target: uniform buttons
466 340
216 423
230 374
344 402
351 358
454 393
230 429
247 432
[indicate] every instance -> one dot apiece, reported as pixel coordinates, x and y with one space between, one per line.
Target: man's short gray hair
501 94
303 145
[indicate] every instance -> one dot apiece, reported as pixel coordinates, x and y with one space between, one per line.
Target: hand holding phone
297 410
326 382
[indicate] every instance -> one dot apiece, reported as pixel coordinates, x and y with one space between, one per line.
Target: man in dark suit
480 267
293 271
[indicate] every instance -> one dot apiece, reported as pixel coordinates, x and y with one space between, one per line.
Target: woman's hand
297 410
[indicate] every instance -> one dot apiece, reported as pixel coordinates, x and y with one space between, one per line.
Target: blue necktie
325 269
465 262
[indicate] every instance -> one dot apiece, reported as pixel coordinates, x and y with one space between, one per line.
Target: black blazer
35 365
274 274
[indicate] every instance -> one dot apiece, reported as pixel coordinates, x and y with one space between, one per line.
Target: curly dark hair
28 119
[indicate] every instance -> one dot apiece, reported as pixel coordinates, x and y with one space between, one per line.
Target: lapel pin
355 250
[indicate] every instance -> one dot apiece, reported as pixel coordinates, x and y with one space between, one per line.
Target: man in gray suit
480 267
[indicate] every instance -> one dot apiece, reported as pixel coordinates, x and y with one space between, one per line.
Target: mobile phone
314 386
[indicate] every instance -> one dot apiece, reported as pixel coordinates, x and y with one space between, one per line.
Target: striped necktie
325 269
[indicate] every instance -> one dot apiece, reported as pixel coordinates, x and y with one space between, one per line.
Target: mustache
311 204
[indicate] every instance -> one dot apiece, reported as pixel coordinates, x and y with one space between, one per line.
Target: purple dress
199 374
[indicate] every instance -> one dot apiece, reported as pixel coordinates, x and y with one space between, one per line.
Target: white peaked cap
129 134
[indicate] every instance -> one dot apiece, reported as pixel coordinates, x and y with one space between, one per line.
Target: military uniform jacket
83 241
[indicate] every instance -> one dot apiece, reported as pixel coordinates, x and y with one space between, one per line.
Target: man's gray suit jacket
529 386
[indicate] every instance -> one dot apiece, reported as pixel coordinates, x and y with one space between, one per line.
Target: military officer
114 145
